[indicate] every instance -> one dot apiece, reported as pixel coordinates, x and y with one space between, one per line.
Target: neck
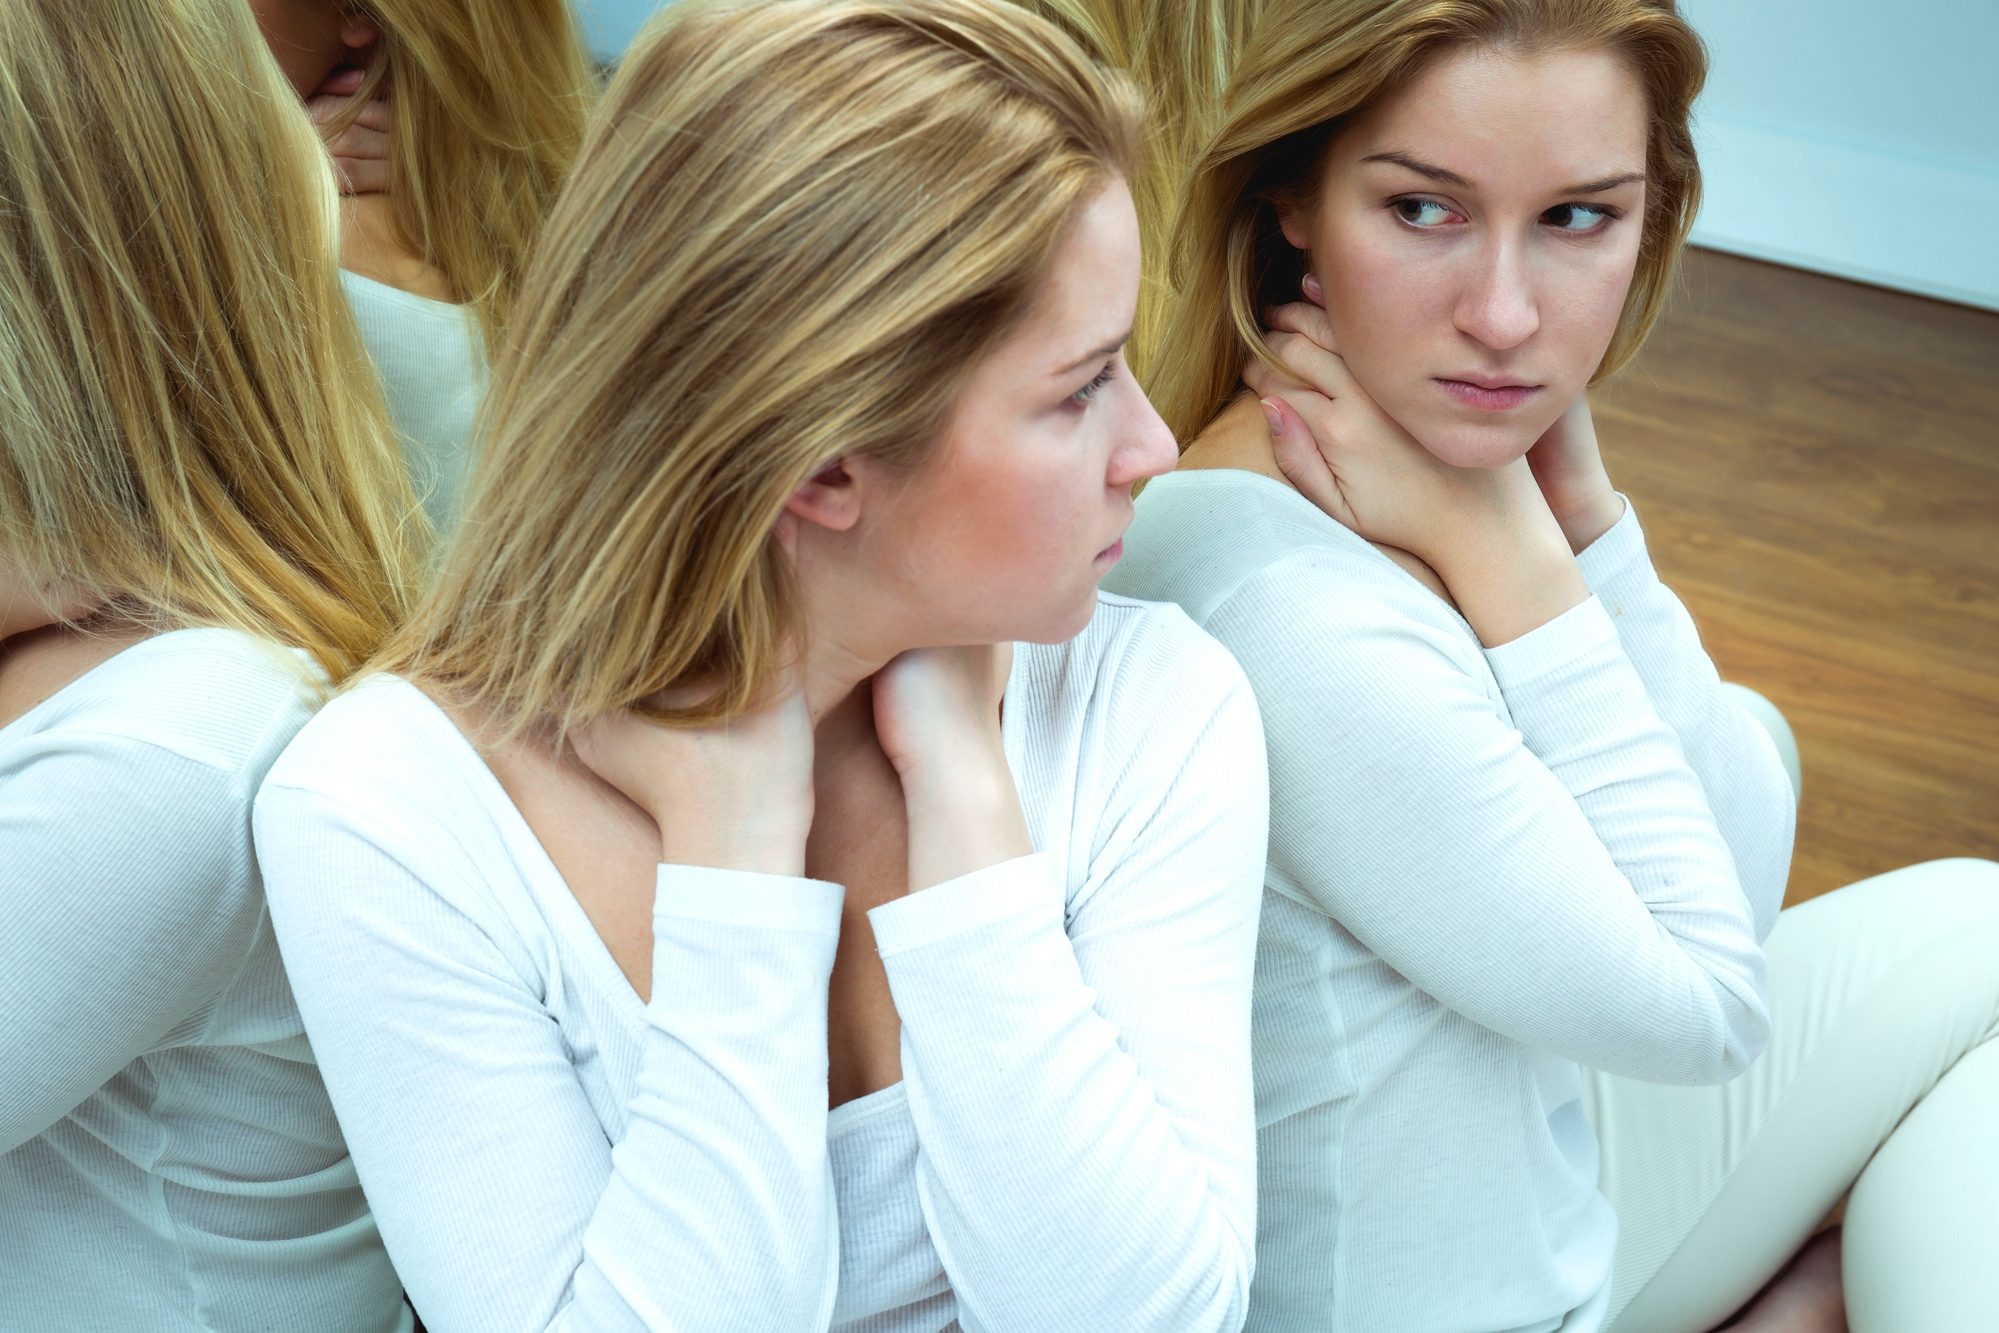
26 606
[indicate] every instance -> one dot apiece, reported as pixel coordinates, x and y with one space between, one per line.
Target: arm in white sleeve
1729 751
1082 1096
502 1204
130 904
1558 878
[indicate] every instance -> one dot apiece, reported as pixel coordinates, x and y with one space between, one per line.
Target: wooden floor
1817 466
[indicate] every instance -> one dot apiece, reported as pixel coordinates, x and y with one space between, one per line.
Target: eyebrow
1095 352
1449 177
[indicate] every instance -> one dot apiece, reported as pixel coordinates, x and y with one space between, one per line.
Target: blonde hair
187 420
1307 68
1180 52
490 102
794 228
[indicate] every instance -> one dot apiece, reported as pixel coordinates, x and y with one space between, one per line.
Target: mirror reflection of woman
203 524
766 886
1510 996
454 123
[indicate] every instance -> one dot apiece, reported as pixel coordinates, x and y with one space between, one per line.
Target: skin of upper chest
607 851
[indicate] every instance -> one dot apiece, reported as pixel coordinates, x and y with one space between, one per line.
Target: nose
1499 306
1147 448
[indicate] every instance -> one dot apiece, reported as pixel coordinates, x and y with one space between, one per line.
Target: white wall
1857 137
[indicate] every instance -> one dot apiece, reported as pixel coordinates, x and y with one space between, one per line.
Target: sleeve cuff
745 898
1555 646
1616 551
1018 887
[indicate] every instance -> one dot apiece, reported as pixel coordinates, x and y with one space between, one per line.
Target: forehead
1488 114
1090 292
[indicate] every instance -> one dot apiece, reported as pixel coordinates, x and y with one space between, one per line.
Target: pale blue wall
1858 137
608 25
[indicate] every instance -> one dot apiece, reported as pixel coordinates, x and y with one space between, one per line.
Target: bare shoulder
1237 438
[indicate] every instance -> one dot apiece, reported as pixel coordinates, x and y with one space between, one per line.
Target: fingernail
1313 291
1272 417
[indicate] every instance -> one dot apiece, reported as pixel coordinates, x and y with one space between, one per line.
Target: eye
1578 219
1083 395
1423 212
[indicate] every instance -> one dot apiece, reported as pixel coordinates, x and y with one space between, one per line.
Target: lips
1492 393
1112 553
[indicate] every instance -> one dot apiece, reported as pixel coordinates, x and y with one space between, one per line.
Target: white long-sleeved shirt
431 359
1486 867
168 1156
1071 1145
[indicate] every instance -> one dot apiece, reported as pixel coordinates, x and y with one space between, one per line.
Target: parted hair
794 228
1307 68
188 423
490 99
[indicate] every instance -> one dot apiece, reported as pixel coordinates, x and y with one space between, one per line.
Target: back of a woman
203 523
455 122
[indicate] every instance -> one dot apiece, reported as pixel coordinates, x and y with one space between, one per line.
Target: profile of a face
1474 236
1004 530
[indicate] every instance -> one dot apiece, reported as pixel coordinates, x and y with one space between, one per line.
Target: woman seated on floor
1510 997
710 788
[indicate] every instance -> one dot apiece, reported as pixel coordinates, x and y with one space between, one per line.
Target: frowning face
1475 235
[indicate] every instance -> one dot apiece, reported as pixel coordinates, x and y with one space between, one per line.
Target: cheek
1380 300
1592 301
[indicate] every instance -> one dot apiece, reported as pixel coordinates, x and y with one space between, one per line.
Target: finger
1312 365
1308 320
1298 454
1309 284
361 143
344 81
362 175
1259 376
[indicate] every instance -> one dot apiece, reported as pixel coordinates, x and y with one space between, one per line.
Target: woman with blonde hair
202 523
1511 1008
706 916
454 123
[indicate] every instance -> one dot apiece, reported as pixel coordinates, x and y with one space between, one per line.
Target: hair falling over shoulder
794 227
188 422
1251 93
491 99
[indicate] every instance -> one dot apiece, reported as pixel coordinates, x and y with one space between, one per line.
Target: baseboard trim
1850 210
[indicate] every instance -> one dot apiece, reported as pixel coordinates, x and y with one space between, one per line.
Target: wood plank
1817 465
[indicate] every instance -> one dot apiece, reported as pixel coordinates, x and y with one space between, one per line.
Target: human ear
830 497
357 31
1296 223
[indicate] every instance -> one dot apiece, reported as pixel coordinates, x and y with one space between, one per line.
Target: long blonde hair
187 420
794 228
490 99
1307 68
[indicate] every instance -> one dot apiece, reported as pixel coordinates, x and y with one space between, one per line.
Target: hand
361 150
937 716
1569 468
1487 532
736 795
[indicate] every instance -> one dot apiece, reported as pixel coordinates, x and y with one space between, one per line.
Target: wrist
1510 582
964 815
1588 519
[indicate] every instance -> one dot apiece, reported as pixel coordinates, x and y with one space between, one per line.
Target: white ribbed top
168 1157
1485 867
431 359
1071 1146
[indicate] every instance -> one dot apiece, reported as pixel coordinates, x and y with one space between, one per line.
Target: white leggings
1882 1076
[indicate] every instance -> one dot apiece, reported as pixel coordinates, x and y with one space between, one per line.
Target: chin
1492 446
1059 625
